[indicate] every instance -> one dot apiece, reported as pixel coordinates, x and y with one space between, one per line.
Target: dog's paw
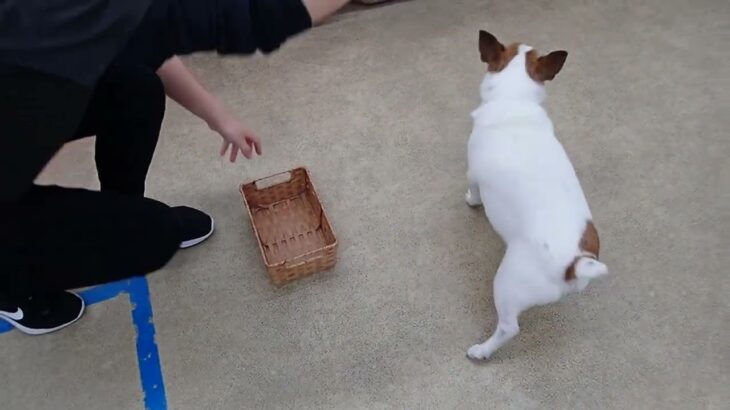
476 352
471 200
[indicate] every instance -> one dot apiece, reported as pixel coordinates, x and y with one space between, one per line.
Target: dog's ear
549 65
490 48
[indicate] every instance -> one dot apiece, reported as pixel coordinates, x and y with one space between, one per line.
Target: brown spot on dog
544 68
507 55
589 244
494 53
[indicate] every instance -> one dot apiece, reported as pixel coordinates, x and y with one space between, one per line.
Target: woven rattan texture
294 234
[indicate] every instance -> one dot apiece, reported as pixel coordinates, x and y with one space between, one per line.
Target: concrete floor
377 104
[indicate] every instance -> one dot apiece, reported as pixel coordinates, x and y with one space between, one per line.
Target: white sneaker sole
36 332
193 242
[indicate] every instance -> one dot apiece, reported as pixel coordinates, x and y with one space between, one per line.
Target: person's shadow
356 6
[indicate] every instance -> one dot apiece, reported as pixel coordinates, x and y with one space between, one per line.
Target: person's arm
241 27
320 10
182 86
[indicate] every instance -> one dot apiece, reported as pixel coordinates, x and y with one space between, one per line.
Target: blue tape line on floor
103 293
148 357
150 371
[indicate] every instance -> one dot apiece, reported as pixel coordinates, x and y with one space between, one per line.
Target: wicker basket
292 229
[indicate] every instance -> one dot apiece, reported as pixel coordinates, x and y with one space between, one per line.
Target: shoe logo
18 315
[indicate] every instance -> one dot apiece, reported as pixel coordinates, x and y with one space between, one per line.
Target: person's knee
136 93
145 233
162 237
146 94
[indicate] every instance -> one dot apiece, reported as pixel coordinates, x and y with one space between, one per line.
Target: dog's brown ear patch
490 48
494 53
589 243
545 68
507 55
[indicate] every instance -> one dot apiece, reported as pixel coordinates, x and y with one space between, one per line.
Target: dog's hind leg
507 328
508 300
473 197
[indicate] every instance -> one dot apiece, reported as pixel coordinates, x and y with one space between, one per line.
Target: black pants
54 238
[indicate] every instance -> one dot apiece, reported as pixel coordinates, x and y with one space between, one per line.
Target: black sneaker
196 226
39 315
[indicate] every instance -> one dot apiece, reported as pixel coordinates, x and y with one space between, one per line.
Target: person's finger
254 142
246 150
257 144
234 153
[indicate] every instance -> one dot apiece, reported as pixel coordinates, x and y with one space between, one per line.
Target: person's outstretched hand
237 137
182 86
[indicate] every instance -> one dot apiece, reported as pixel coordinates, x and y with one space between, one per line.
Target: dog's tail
585 267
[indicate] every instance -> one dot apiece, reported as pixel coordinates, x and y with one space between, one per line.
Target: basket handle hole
277 179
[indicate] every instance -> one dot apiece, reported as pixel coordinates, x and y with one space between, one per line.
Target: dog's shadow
540 338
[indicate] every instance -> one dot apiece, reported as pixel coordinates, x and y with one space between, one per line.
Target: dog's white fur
521 174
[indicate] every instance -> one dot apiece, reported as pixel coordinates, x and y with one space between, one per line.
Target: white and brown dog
521 174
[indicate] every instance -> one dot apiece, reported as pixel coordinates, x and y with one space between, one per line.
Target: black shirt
72 39
77 39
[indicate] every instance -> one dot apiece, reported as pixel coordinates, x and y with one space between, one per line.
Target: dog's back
527 184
